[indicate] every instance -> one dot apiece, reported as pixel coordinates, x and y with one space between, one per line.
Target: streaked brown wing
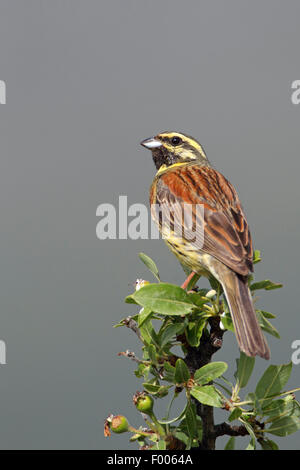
226 232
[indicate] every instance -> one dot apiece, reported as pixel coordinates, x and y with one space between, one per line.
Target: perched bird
214 241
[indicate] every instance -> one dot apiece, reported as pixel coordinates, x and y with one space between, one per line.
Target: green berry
144 403
119 424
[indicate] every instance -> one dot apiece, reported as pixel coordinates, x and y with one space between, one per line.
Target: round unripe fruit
144 403
119 424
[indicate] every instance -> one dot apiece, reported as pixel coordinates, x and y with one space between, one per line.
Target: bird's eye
176 140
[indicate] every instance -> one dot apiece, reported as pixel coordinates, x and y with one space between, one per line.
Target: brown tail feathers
248 332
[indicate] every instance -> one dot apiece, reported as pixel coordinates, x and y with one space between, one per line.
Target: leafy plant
196 320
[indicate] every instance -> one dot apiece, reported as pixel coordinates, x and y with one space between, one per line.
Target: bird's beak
151 143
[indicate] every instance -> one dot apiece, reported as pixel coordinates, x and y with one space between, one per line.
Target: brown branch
226 429
196 358
131 355
132 324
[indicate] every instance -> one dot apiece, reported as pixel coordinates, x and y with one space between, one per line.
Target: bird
214 238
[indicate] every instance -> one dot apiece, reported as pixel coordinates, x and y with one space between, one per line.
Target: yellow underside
193 259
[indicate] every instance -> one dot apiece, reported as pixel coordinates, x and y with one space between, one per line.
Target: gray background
86 81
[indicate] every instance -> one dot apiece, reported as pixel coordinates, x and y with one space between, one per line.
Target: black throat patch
162 157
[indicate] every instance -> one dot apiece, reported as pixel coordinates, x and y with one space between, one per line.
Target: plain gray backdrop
86 82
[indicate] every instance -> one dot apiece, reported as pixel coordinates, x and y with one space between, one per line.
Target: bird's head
169 148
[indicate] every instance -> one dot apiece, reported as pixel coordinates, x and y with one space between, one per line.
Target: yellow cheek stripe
197 147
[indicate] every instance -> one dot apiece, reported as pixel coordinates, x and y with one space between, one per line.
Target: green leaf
267 314
148 333
150 265
198 299
244 370
267 444
227 321
255 404
266 325
163 298
152 353
226 389
284 426
209 372
182 373
151 388
256 256
160 445
130 300
156 390
207 395
191 420
142 371
266 284
230 444
144 315
183 427
280 408
272 381
137 437
169 332
194 331
182 437
169 374
235 414
252 443
193 281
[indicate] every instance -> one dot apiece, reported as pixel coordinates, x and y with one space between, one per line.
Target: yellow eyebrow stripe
187 139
